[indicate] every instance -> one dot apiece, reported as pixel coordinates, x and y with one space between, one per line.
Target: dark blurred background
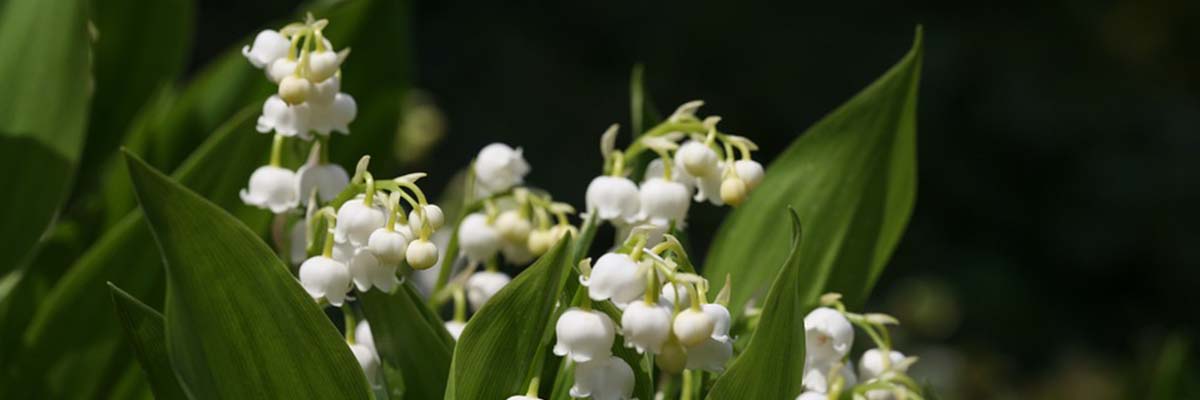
1053 249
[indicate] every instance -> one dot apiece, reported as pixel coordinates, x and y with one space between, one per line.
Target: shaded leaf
144 332
411 339
235 316
851 178
772 367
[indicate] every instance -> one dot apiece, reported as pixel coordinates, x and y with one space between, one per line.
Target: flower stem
277 150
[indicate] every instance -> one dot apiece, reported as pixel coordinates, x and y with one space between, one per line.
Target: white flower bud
664 200
711 355
455 328
733 190
323 65
871 364
324 278
617 277
367 271
388 246
584 335
356 221
692 327
363 335
294 89
673 358
272 188
721 320
818 374
327 179
828 335
750 171
646 326
516 253
541 240
368 361
436 218
268 46
482 285
284 119
612 197
513 227
421 254
281 68
668 295
697 159
499 167
478 239
608 378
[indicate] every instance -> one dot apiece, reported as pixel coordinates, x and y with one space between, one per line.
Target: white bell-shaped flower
584 335
750 171
818 374
670 293
363 335
711 355
607 378
356 221
664 201
693 327
421 254
697 159
482 285
871 364
615 277
298 243
324 278
499 167
327 179
334 116
281 68
828 335
655 170
513 227
368 361
433 212
613 198
389 246
294 89
324 92
733 190
810 395
673 358
272 188
284 119
541 240
721 320
455 328
708 188
268 46
367 271
646 326
323 65
477 238
516 253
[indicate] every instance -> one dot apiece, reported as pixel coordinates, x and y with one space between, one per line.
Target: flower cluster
829 335
695 162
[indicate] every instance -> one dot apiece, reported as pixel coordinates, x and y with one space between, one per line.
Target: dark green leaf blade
772 367
410 337
144 332
238 325
45 78
497 351
851 178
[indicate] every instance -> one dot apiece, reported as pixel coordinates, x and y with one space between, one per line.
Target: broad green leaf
851 178
238 324
144 332
772 367
46 84
495 356
410 338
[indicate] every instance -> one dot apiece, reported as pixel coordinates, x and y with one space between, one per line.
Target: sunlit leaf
145 333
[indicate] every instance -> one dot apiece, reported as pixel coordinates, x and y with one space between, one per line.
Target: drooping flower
584 335
323 64
733 190
818 374
693 327
710 355
871 364
327 179
482 285
750 171
333 116
512 227
281 68
669 292
617 277
367 271
673 358
268 46
697 159
828 334
363 335
655 170
272 188
455 328
516 253
606 378
421 254
291 120
646 326
663 201
367 360
356 221
499 167
708 188
325 278
389 245
477 238
433 212
721 320
612 198
294 89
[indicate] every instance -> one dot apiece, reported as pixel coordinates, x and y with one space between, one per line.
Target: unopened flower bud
294 90
541 240
693 327
750 171
433 212
871 364
673 357
322 65
482 285
421 254
733 190
478 239
513 227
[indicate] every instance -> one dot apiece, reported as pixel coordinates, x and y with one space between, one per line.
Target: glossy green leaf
45 79
411 339
852 179
145 333
772 366
238 324
495 356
